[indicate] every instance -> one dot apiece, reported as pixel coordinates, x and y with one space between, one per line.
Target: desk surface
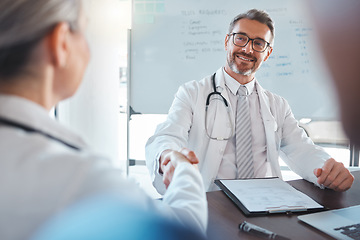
225 216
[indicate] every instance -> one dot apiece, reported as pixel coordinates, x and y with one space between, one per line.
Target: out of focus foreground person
45 168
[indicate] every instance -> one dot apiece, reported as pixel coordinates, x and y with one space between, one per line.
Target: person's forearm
192 209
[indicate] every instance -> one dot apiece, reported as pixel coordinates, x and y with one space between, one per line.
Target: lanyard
33 130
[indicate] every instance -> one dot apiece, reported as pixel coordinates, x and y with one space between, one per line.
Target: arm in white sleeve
184 201
187 197
172 134
299 152
86 175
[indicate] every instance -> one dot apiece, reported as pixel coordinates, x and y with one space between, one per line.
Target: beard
236 68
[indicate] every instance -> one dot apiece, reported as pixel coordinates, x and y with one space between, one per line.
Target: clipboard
265 196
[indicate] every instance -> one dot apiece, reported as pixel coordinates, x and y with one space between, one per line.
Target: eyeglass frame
249 39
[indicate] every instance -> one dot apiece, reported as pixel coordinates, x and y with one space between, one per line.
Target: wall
93 112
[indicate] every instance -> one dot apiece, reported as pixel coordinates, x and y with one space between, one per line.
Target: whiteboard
176 41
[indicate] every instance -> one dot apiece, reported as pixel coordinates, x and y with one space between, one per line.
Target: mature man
244 128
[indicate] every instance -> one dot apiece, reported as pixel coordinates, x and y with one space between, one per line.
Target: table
225 216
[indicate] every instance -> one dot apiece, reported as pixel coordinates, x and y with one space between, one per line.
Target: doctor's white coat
185 127
40 177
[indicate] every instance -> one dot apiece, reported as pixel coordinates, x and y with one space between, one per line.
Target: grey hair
258 15
23 23
23 20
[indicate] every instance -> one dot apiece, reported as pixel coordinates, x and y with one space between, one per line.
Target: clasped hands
170 159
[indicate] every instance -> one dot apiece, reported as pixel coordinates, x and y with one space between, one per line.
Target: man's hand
170 159
334 175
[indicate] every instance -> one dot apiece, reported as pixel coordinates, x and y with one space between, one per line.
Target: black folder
273 195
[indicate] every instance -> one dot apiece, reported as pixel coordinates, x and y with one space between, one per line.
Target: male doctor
211 134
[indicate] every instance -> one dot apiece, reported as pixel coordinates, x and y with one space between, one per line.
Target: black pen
261 232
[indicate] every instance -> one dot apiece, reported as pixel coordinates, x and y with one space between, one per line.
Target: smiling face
243 62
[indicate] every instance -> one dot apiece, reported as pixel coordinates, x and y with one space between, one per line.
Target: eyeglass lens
241 40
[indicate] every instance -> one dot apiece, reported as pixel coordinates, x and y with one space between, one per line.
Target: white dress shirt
262 168
41 176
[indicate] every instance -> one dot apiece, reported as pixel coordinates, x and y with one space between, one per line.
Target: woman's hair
23 23
258 15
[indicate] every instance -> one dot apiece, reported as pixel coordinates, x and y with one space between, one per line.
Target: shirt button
221 151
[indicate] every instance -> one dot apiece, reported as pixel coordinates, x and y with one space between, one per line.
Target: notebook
341 223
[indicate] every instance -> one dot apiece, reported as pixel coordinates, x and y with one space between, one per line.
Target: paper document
268 195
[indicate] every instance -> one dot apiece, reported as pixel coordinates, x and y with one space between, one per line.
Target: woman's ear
59 44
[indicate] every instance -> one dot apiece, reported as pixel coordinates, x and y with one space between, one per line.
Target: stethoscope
33 130
215 92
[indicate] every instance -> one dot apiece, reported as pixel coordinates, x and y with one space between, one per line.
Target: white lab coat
185 127
40 177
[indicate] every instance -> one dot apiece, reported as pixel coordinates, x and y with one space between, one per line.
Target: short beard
233 67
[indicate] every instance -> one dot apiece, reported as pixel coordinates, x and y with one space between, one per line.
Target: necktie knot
242 91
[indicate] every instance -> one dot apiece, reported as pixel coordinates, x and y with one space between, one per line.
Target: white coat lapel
219 125
270 126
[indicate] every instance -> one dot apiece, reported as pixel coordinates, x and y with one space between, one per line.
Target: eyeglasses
241 40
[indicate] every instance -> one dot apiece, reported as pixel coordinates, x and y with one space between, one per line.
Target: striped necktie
244 156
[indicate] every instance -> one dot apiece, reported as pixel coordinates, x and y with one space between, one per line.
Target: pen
261 232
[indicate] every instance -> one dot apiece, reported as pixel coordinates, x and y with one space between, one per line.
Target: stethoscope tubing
29 129
227 109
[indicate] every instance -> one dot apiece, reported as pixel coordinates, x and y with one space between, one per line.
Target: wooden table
225 216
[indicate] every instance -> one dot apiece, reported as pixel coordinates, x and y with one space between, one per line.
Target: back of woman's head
23 23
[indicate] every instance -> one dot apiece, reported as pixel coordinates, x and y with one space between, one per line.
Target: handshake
170 159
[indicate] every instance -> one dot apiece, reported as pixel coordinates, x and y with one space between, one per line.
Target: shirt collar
234 85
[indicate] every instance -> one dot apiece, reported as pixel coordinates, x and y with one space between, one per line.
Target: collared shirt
262 168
